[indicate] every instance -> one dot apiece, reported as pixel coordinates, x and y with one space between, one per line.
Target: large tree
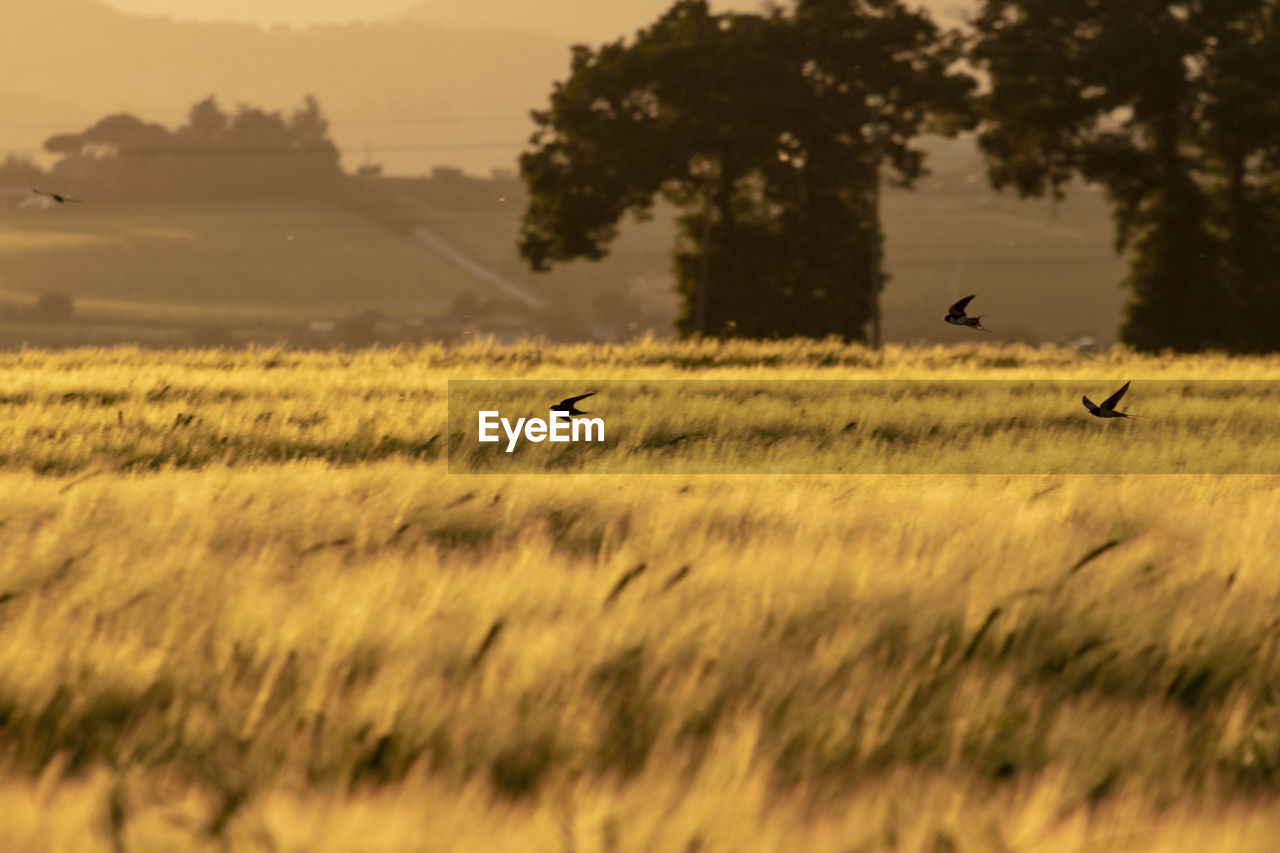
768 131
1173 106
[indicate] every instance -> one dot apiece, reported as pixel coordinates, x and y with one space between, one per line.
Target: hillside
592 21
1041 275
443 83
1044 273
575 20
288 261
415 95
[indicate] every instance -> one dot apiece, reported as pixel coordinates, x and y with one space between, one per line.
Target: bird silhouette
957 317
1108 407
57 197
569 405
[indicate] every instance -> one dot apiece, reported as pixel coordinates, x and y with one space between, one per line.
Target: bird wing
54 198
1088 404
571 400
1110 402
958 308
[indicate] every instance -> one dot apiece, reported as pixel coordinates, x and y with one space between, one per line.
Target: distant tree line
248 153
770 132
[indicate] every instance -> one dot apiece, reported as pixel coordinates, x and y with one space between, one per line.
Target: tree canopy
1173 106
768 131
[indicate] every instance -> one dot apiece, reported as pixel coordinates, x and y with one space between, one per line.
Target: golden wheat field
245 606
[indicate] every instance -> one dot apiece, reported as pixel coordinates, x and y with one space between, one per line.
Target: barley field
244 605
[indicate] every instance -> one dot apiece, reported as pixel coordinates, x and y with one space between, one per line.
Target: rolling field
244 605
292 260
1047 272
297 261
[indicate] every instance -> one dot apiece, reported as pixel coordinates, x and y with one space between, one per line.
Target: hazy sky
404 101
600 19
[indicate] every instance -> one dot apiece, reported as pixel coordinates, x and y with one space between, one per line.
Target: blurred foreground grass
262 648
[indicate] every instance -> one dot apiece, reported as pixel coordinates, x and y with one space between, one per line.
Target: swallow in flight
569 406
957 317
1108 407
57 197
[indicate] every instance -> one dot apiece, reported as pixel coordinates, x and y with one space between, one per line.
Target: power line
347 151
352 122
476 146
425 120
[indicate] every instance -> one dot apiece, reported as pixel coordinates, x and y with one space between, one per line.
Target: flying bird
569 406
957 317
57 197
1108 407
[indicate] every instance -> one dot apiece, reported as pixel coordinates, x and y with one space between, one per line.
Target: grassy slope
1041 274
491 231
291 260
307 261
357 651
1038 276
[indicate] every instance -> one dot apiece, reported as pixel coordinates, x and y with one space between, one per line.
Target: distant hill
417 95
444 83
591 20
575 20
296 13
